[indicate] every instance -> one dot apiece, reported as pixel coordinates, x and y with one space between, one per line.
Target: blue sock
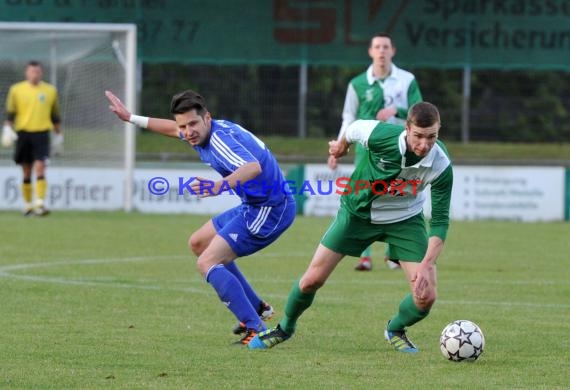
251 295
232 295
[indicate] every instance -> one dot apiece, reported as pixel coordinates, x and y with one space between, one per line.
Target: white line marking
6 272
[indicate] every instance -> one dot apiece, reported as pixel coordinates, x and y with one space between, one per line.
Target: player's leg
408 240
390 261
300 298
41 188
40 142
303 292
253 229
250 230
255 300
345 235
264 309
199 241
27 189
423 304
410 311
365 261
230 291
23 157
260 226
201 238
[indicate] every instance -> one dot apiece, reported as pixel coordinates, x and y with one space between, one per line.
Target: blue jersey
229 147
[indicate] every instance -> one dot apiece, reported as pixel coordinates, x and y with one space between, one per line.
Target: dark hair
186 101
381 35
35 63
423 114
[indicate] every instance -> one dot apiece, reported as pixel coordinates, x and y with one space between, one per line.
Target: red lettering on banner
324 18
374 9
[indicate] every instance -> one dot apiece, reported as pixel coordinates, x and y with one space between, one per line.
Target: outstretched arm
165 127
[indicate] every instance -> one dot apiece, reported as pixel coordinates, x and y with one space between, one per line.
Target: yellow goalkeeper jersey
32 107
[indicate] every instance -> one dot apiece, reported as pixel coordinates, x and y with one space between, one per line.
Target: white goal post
82 60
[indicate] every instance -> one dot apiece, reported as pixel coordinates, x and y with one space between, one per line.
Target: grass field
112 300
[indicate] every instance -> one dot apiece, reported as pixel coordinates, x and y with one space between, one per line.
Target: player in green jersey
383 92
383 202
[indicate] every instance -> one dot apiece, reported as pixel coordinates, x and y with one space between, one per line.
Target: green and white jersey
366 95
398 178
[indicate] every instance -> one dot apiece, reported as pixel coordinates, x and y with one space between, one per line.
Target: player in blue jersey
266 211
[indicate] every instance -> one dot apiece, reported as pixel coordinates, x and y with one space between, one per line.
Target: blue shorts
248 229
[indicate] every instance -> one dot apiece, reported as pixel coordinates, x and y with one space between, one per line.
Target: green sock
408 314
367 252
297 303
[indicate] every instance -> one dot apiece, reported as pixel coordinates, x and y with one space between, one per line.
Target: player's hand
386 113
338 148
118 107
424 283
204 187
332 162
9 136
57 144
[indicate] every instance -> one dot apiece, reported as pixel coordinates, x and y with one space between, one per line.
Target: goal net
82 61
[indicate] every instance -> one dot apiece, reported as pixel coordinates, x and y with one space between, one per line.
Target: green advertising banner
428 33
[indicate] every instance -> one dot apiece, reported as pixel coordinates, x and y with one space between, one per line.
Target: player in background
409 158
264 214
32 110
384 92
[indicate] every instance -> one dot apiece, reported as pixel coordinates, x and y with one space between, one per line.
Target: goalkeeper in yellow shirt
32 112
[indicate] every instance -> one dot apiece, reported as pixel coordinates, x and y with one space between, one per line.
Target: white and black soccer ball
462 340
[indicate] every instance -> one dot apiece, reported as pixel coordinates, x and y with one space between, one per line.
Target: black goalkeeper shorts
32 146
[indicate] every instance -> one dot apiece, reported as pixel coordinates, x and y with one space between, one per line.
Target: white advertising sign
323 199
68 189
508 193
167 191
102 189
504 193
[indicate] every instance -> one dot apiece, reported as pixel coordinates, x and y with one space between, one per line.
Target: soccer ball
462 340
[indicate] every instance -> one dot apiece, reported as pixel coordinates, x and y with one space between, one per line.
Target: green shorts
350 235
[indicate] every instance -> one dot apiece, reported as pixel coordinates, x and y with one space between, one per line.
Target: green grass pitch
113 300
